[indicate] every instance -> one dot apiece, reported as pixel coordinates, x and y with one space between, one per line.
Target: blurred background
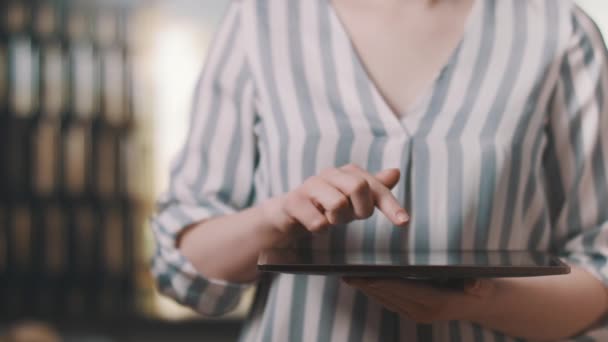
94 103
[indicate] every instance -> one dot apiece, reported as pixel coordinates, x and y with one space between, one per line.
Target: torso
469 154
404 44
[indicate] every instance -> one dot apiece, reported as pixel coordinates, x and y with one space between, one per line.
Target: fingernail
402 217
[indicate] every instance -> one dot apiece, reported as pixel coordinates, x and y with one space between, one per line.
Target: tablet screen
465 263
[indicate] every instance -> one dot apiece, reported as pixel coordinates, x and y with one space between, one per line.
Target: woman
470 125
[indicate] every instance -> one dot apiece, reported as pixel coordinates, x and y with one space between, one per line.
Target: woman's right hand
336 196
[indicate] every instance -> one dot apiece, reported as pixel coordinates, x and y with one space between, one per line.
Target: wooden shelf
68 219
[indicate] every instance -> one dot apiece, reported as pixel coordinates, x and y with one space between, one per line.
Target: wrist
270 211
271 226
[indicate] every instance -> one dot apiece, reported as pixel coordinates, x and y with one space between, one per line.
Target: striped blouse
507 150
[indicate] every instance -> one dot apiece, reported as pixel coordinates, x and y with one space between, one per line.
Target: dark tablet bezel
557 267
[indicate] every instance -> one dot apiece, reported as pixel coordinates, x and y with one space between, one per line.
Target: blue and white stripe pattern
508 150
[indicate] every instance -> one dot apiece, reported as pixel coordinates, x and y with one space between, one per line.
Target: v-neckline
400 118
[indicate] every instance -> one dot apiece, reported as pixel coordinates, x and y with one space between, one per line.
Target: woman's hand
423 303
336 196
547 308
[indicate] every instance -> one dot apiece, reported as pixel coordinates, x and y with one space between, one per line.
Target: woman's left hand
424 303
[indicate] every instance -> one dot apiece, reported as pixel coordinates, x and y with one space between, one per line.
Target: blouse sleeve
576 165
213 174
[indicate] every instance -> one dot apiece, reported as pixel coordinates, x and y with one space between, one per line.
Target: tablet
412 265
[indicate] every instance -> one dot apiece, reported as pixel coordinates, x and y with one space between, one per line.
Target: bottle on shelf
3 241
113 242
112 55
55 257
76 158
85 234
55 238
129 159
106 162
4 80
84 65
113 80
22 238
22 61
113 251
134 181
17 167
53 73
3 75
86 249
132 246
76 302
46 137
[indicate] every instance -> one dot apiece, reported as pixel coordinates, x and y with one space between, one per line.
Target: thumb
389 177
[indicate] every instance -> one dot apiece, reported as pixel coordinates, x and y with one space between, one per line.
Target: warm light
176 60
178 55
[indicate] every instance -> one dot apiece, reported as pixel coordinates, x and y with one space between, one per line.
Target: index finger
383 198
